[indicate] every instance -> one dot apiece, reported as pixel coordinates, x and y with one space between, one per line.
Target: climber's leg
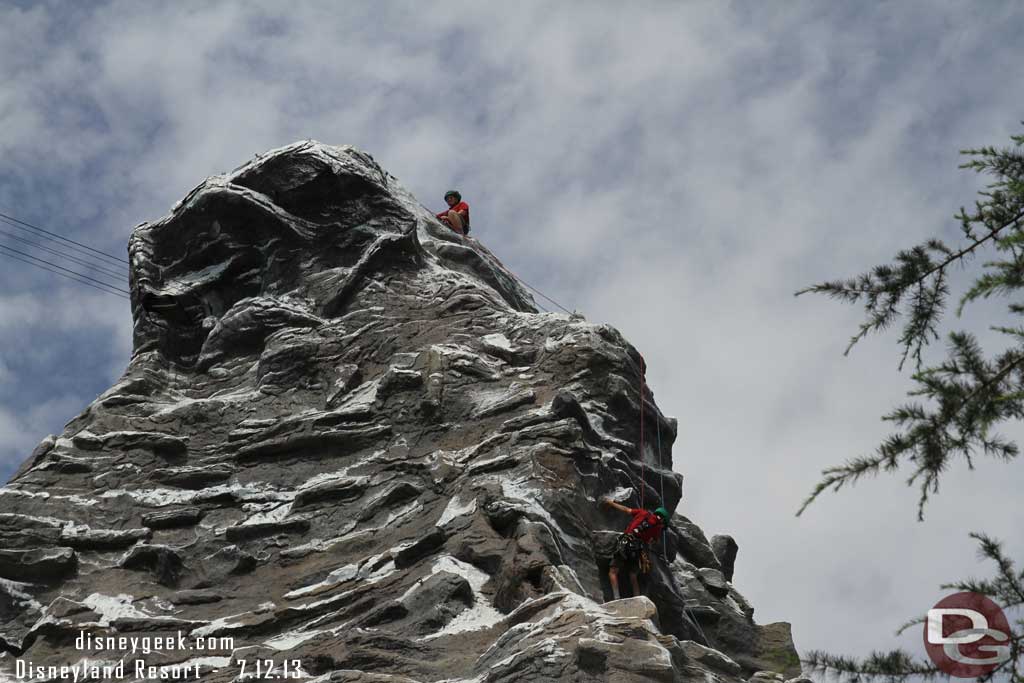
455 222
635 583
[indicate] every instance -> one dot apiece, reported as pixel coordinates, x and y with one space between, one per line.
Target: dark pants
626 564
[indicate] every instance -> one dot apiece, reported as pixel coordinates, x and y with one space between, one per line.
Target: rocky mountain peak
295 235
348 446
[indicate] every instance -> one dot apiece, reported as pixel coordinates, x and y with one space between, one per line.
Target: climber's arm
617 506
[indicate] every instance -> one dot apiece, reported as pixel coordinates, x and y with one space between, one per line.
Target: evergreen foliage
956 404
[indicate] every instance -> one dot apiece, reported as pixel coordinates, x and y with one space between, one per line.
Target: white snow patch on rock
218 624
408 510
324 476
290 639
189 281
275 513
597 423
74 499
620 494
456 509
159 497
516 490
482 614
339 575
361 398
319 545
111 607
499 340
385 570
367 571
21 598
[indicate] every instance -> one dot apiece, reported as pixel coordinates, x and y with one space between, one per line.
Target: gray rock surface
725 549
693 544
714 582
348 442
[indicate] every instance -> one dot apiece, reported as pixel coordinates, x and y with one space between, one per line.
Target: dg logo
966 635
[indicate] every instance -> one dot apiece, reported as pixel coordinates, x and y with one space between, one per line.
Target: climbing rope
693 619
664 531
643 468
661 474
516 277
537 291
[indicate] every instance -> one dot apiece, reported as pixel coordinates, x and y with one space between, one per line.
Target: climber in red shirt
630 548
456 216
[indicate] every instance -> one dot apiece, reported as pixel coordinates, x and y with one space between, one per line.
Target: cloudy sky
676 170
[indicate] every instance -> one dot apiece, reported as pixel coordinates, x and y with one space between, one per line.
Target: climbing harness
628 546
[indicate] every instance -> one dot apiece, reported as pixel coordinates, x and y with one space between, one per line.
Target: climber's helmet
663 513
453 193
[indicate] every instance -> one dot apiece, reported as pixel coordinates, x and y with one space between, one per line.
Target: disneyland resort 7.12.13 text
112 661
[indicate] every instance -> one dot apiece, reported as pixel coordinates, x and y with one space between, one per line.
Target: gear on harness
628 547
645 562
644 526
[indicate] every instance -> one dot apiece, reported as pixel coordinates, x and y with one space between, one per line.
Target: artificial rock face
348 446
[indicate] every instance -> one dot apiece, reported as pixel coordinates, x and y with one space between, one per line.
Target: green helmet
453 193
663 513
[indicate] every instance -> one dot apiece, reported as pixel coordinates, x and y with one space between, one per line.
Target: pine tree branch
929 441
964 397
970 249
885 287
993 549
910 624
895 665
836 288
837 477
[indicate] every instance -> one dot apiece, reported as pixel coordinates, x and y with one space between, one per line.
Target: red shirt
461 206
654 524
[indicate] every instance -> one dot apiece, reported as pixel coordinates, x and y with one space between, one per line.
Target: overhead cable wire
88 264
24 225
57 272
62 243
79 277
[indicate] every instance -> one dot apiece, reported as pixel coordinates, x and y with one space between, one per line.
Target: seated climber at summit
456 216
631 546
